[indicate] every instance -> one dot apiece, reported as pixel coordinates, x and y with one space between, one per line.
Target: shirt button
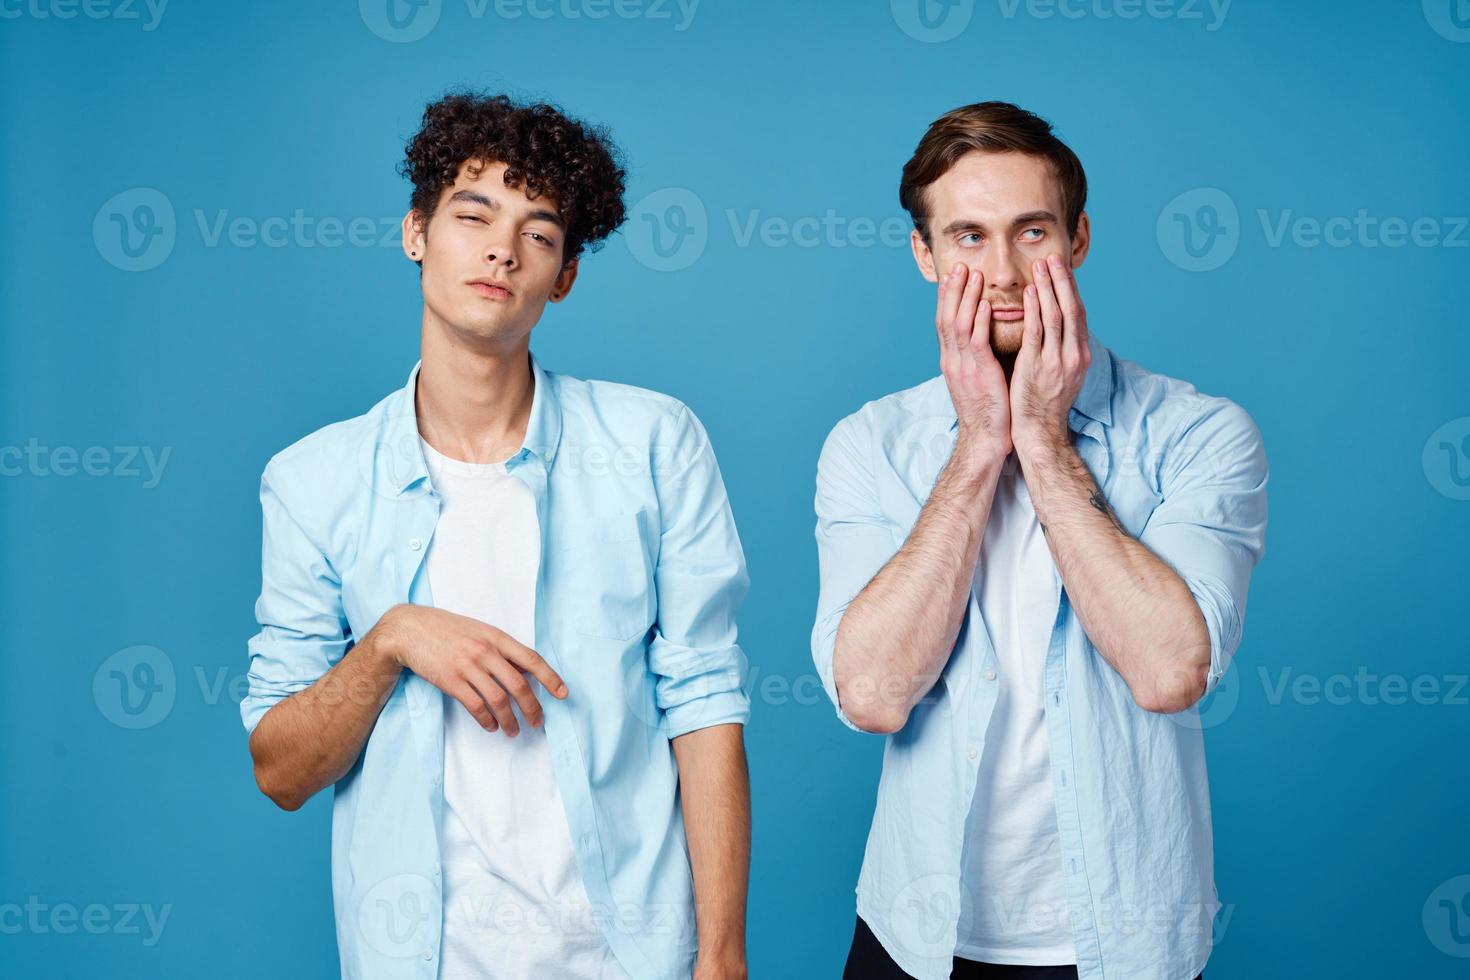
415 544
436 869
428 954
974 752
990 675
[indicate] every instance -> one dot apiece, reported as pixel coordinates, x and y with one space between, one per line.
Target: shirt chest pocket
607 576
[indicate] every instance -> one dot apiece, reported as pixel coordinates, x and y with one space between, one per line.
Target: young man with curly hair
497 613
1028 564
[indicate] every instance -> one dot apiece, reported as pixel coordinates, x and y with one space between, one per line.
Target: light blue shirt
641 576
1186 474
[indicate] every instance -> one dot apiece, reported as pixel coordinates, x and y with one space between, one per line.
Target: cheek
945 255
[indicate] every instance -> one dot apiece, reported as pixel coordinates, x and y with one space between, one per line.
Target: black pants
868 960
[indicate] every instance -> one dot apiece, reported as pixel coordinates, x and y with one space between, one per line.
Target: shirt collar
543 430
1094 401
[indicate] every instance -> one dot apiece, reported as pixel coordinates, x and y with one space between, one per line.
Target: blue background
1339 822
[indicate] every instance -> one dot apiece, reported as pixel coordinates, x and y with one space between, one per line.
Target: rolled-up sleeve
701 580
1211 523
303 630
854 540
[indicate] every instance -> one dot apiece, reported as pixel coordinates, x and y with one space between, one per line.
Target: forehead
488 179
994 185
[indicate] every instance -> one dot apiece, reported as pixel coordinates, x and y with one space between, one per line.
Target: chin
1006 340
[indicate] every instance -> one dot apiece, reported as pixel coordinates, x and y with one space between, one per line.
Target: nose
1005 269
501 249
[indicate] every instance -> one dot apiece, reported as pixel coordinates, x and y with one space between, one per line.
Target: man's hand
1052 362
479 666
977 383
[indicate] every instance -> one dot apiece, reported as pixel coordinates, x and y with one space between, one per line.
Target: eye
966 239
1039 234
539 237
473 217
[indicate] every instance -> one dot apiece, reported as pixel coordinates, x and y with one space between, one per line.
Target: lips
1007 313
490 288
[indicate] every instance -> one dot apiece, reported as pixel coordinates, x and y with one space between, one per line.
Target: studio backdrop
201 264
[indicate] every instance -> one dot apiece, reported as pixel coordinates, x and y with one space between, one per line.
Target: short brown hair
993 127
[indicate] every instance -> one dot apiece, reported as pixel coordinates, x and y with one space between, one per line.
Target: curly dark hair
576 164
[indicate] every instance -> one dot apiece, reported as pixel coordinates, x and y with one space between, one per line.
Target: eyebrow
1028 218
475 197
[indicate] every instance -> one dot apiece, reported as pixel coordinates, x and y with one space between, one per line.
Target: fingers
1065 285
532 663
980 342
964 318
474 701
1051 310
515 684
1031 338
497 700
950 292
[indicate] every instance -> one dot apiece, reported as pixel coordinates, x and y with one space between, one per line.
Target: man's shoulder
611 406
927 400
335 449
1165 406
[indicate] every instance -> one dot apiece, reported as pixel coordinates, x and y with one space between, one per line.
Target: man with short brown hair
1033 566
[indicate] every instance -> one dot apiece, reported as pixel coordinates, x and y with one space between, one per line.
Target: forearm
312 738
1135 609
714 792
897 634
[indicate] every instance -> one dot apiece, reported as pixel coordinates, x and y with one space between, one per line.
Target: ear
923 257
562 286
415 236
1081 241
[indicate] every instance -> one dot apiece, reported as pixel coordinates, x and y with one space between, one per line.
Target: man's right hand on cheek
976 381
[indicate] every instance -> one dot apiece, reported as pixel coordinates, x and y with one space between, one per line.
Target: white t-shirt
514 905
1014 898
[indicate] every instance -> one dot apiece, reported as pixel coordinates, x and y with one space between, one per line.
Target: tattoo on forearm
1101 503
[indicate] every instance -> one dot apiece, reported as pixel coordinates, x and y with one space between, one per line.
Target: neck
474 405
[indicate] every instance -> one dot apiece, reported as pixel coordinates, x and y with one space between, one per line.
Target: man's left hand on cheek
1052 362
